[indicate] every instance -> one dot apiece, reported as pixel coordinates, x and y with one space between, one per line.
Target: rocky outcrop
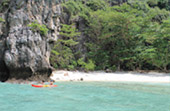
24 53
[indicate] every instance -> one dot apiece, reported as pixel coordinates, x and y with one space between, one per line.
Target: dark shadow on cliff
4 72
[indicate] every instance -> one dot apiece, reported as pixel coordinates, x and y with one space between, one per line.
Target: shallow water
86 96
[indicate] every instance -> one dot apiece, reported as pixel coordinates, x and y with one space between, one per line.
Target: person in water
42 82
51 82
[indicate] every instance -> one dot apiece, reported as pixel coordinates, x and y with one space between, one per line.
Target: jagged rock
24 54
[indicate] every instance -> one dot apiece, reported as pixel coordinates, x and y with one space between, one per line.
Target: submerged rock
24 54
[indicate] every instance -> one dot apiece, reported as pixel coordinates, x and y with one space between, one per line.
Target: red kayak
41 85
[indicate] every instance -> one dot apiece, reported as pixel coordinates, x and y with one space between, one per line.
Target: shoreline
101 76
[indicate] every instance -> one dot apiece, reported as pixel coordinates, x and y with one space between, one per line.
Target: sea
86 96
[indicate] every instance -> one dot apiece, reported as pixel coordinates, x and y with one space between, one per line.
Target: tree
62 54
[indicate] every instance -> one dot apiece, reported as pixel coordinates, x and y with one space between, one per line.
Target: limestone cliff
25 53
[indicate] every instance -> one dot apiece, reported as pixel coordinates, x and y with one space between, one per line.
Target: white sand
117 76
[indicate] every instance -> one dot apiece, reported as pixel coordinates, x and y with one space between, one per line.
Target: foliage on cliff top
162 4
82 8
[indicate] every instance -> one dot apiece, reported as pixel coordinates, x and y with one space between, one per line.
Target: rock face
24 54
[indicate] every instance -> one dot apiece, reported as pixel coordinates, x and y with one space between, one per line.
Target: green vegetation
86 66
126 37
5 2
63 54
2 20
131 36
36 27
4 5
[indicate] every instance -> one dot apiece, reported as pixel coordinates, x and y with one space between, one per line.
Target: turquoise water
86 96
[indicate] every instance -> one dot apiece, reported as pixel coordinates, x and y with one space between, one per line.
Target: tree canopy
129 36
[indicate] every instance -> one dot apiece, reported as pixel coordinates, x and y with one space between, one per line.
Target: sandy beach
155 77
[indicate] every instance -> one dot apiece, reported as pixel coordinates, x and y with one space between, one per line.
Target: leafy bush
90 65
96 4
5 2
152 3
2 20
36 27
76 9
81 62
87 66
